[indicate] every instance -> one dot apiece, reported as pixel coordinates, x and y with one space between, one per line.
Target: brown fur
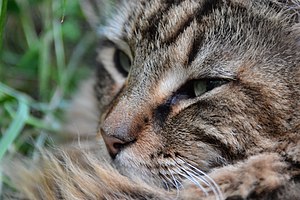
239 140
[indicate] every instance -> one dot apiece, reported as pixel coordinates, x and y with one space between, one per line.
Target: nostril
114 145
118 146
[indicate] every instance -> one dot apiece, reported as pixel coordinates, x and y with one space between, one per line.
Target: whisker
176 183
165 183
202 179
168 180
190 175
215 187
199 176
191 178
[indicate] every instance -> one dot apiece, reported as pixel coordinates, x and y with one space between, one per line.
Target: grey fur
239 140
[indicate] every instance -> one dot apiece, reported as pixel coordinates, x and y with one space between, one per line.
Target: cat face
194 85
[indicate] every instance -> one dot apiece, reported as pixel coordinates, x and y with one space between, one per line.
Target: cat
197 99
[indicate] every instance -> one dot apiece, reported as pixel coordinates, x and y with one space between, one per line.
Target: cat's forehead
154 21
163 21
214 34
174 27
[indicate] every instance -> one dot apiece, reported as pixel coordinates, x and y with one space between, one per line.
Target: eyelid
228 77
214 73
120 44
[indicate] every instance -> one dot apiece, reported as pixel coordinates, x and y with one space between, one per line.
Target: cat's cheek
147 144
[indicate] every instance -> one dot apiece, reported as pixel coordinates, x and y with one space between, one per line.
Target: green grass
45 50
2 19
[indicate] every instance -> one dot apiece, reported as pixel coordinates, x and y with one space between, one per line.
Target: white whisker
166 184
215 187
169 180
203 179
186 170
176 183
191 178
200 177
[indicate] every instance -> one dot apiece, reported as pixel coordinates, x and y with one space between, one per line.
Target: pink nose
114 145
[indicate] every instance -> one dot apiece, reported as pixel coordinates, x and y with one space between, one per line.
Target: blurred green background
47 48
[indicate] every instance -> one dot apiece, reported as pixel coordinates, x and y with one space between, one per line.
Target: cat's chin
166 170
138 169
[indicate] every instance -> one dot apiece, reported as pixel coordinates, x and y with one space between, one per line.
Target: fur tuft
75 175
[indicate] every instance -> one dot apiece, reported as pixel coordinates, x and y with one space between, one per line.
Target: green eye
205 85
125 61
122 62
200 87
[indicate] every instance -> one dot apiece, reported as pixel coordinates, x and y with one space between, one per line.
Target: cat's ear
96 11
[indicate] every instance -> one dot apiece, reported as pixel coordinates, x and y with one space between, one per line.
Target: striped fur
239 140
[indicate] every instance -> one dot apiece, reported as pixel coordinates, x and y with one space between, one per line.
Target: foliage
46 47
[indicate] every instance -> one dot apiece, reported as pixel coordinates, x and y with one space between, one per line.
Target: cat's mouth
147 158
165 172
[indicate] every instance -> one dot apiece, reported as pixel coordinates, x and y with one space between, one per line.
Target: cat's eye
196 88
204 85
122 62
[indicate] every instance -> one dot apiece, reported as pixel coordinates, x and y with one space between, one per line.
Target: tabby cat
198 99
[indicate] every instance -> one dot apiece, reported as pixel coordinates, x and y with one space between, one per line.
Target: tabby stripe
150 10
150 31
226 150
130 17
180 27
173 2
208 7
180 30
195 47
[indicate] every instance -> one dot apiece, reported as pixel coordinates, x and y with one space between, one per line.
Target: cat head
186 86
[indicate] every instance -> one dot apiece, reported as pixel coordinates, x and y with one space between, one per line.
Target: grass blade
15 127
2 20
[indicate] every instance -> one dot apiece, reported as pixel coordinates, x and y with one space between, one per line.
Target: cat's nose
122 125
113 144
